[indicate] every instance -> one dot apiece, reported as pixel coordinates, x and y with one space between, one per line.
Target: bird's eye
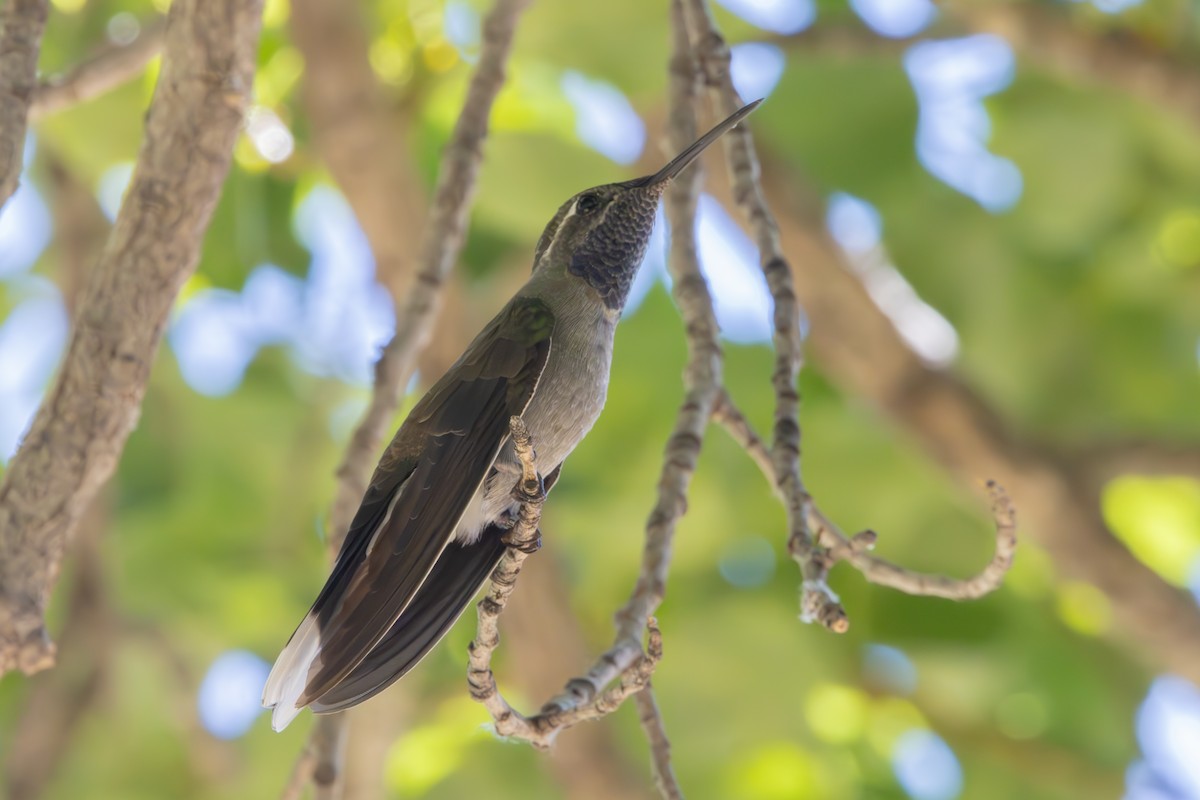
587 203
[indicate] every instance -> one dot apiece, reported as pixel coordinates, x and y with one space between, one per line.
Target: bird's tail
447 591
444 595
289 676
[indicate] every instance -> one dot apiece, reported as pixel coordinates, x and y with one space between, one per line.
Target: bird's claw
529 491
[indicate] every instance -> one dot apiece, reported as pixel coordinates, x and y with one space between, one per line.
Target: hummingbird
430 529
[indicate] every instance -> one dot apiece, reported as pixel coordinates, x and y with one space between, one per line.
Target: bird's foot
526 546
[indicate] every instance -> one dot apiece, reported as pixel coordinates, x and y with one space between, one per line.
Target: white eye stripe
562 225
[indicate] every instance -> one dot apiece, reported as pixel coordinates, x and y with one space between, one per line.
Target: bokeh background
1034 229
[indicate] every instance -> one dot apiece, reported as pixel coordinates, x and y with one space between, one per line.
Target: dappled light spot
1112 6
1194 578
888 720
344 417
1032 573
1168 731
217 333
604 118
275 13
391 60
347 315
921 325
278 77
889 668
951 77
1158 519
778 16
110 189
748 562
69 6
1178 240
270 136
895 18
24 229
755 68
1083 608
32 339
333 324
460 26
213 342
776 771
122 28
835 713
439 55
730 264
1143 783
926 767
854 223
427 754
1022 715
230 696
856 226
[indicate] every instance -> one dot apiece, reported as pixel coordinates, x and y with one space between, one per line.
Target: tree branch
1103 461
58 702
357 135
587 697
856 549
80 430
108 69
818 602
860 350
1114 59
544 643
523 540
660 746
21 26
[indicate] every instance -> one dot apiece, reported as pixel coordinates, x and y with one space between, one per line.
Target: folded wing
419 491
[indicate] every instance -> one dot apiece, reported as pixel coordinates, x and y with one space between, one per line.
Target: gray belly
567 402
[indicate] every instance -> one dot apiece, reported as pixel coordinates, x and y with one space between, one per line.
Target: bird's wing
423 483
455 578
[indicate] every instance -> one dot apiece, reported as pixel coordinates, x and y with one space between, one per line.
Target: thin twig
524 539
626 663
108 69
855 549
702 379
861 352
21 26
80 429
818 602
302 773
440 247
660 747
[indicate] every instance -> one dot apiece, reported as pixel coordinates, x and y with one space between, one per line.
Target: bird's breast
566 403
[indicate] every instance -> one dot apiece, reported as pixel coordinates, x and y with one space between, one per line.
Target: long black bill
680 162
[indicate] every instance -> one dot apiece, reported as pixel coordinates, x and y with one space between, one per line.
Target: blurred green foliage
1077 313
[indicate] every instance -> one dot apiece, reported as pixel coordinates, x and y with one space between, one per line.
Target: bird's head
600 234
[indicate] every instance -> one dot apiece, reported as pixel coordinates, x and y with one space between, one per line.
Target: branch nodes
523 540
831 545
813 541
